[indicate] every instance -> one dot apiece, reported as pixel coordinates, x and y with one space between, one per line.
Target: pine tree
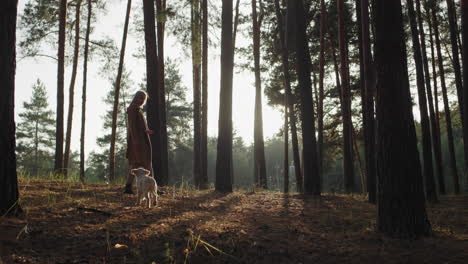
311 171
196 72
99 161
8 178
35 133
84 96
259 144
71 91
400 203
60 88
117 87
224 169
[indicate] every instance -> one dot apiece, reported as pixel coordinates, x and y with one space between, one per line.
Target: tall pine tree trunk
118 80
464 15
428 170
369 88
8 178
58 163
346 104
448 118
435 23
224 169
401 205
303 66
71 91
161 18
152 85
83 97
196 67
321 84
204 106
259 144
288 95
430 185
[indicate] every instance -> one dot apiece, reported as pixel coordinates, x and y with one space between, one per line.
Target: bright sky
28 70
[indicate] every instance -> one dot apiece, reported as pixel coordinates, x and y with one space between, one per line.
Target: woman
138 141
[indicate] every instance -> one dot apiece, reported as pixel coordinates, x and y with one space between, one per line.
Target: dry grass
207 227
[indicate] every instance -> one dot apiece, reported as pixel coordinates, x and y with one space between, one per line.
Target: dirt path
206 227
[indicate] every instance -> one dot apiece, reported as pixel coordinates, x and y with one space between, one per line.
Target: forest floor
207 227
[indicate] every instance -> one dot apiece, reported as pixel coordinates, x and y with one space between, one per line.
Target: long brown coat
138 141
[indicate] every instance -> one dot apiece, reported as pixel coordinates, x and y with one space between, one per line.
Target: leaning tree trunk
71 93
428 170
8 178
288 95
118 80
152 85
224 170
452 19
161 18
259 144
83 98
58 163
369 83
346 104
400 203
204 106
448 118
464 15
303 65
430 185
196 67
436 133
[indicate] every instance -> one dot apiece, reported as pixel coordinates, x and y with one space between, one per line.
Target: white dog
146 187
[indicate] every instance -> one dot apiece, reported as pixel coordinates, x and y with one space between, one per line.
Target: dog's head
140 172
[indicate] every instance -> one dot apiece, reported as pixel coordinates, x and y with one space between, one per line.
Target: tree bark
400 203
369 88
152 84
288 95
83 97
71 93
464 15
196 67
236 23
161 24
303 64
427 171
118 80
448 118
58 164
346 104
224 169
259 144
435 130
456 58
8 178
204 106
